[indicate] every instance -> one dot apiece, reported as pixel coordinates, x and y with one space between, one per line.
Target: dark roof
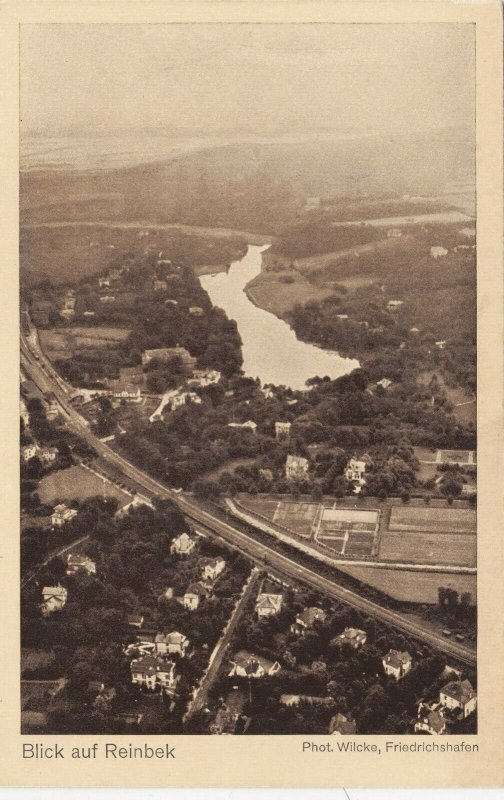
341 724
462 691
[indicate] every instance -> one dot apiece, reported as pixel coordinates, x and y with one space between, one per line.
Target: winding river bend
271 350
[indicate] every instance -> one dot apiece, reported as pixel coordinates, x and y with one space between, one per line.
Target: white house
171 643
441 344
204 377
282 431
247 665
430 719
384 383
62 514
77 564
459 695
355 470
397 663
151 672
29 451
48 455
212 568
53 599
438 252
352 636
193 595
393 305
296 467
183 545
248 425
268 605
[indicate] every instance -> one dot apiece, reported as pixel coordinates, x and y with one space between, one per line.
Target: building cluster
457 701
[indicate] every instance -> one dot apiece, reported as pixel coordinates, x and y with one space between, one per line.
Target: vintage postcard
252 339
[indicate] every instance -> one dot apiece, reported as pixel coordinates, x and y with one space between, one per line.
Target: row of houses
47 455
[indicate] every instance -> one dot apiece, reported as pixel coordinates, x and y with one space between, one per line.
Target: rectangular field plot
355 528
429 548
436 520
297 517
412 587
336 544
464 457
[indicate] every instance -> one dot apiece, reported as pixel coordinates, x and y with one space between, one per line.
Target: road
41 373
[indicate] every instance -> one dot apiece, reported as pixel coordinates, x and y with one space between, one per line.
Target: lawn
77 483
435 520
429 548
412 587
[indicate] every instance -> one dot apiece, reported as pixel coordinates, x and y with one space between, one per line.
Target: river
271 350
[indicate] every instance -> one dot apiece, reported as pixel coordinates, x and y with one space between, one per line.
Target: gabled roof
170 638
150 665
197 588
396 658
432 716
311 615
351 635
54 591
269 601
462 691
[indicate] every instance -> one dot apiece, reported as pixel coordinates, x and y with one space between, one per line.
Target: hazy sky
260 77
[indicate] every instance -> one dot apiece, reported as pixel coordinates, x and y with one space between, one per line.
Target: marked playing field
348 531
436 520
456 457
297 517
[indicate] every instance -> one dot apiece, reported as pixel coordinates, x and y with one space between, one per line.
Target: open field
79 483
435 520
348 531
65 342
279 292
428 548
412 587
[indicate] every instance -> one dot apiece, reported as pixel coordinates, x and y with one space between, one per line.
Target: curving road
44 376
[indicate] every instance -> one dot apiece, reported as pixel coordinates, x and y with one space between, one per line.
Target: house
77 564
166 353
204 377
104 283
152 672
196 311
414 330
48 455
183 398
107 298
296 467
430 719
384 383
459 695
136 502
268 605
469 233
394 233
212 568
341 316
248 425
307 619
396 663
134 620
182 545
171 643
159 286
248 665
438 252
62 514
194 593
53 599
352 636
291 700
29 451
282 431
441 344
23 412
393 305
355 470
52 408
89 314
342 726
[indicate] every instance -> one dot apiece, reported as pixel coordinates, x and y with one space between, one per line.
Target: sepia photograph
248 379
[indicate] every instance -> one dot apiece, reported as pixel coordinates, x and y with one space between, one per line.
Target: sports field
297 517
77 482
348 531
462 457
428 548
433 520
